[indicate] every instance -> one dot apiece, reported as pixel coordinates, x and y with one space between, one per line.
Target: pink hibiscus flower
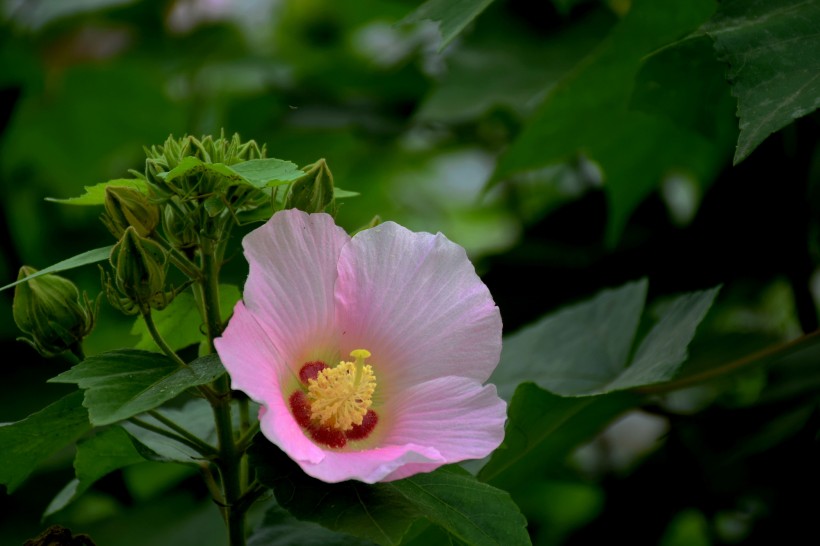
368 354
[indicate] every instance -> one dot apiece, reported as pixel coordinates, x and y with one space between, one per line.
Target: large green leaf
531 66
451 15
543 429
372 513
95 195
108 451
196 417
588 113
264 173
773 49
180 324
474 512
584 349
279 528
685 83
123 383
258 173
90 257
449 497
25 444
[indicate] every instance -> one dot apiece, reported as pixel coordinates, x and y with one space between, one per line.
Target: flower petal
255 368
290 286
415 302
456 415
371 465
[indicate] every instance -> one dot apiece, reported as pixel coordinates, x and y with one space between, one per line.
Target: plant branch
160 341
204 446
174 436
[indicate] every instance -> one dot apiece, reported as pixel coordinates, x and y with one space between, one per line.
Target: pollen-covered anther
340 396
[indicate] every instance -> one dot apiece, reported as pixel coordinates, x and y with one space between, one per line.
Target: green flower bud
129 207
140 266
49 309
313 192
180 230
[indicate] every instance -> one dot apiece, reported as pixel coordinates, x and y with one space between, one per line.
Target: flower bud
140 266
313 192
129 207
180 230
49 309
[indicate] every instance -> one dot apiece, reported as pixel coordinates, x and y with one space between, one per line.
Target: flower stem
160 341
759 358
205 448
200 447
229 459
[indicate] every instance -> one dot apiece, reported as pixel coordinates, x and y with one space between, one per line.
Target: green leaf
451 15
449 497
28 442
90 257
339 193
577 348
95 195
192 165
265 173
587 113
279 528
126 382
180 324
544 429
455 500
685 83
584 349
773 50
368 512
96 457
196 417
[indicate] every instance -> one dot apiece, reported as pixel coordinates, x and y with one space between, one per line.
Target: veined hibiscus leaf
685 83
95 195
543 429
180 324
196 417
28 442
89 257
451 16
265 173
455 500
123 383
449 497
374 513
192 165
634 150
279 528
773 51
584 349
107 451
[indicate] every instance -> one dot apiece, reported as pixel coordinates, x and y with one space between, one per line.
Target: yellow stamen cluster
340 396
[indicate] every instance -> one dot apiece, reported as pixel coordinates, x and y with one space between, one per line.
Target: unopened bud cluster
49 309
179 210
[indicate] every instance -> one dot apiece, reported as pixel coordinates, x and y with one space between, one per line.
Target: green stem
245 440
758 358
204 446
160 341
229 460
180 260
196 446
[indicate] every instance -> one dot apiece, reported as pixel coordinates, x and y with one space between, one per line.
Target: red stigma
300 407
310 370
360 432
328 436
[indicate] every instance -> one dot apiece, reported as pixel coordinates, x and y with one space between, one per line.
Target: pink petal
369 466
290 286
256 368
415 302
456 415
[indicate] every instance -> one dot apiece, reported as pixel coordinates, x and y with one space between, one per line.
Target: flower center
341 396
